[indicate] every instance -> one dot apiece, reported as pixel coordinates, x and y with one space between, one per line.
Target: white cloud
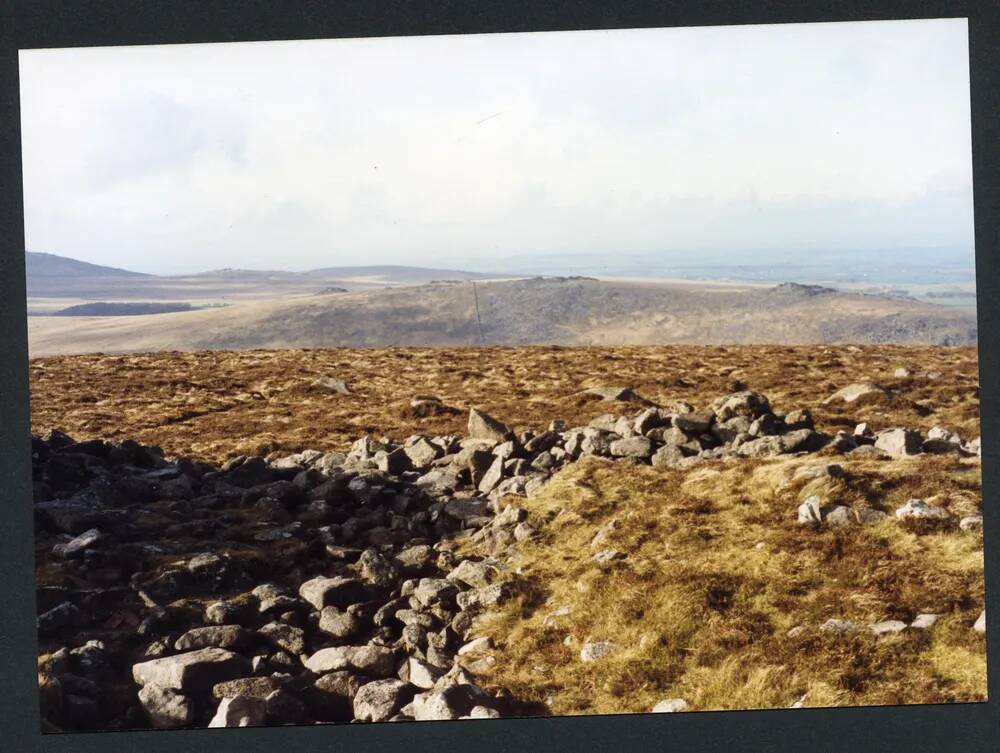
299 154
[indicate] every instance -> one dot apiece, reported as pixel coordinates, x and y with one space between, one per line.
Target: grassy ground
717 572
212 405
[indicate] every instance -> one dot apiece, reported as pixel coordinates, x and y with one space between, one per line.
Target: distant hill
52 276
50 265
395 273
562 311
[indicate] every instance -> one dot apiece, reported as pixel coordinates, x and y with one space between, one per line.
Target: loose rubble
326 587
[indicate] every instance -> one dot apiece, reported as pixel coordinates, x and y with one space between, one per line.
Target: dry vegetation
717 572
562 311
212 405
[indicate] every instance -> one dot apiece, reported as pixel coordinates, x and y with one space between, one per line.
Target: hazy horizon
537 152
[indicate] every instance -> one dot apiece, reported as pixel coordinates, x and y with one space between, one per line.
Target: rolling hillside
567 311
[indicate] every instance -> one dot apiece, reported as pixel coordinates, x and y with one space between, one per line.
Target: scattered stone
218 636
925 621
854 392
477 574
255 687
920 510
869 515
240 711
379 700
339 624
741 403
839 515
483 426
888 627
607 556
980 626
971 523
339 591
838 626
488 596
165 707
284 637
633 447
595 650
227 612
482 712
898 443
374 661
810 511
421 674
476 646
609 394
192 671
74 546
671 706
329 384
388 596
64 615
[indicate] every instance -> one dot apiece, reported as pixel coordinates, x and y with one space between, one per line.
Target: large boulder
339 624
256 687
74 515
492 477
241 711
450 700
284 637
852 393
695 422
898 443
165 707
422 452
477 574
218 636
339 591
192 671
633 447
380 700
370 660
432 591
743 403
483 426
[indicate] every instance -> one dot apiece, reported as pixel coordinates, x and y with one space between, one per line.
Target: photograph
500 375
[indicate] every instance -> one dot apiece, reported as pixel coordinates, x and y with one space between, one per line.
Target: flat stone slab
193 671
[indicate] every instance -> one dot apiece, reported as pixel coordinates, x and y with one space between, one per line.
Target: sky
752 144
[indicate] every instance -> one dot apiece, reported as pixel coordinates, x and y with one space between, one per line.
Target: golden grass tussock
717 572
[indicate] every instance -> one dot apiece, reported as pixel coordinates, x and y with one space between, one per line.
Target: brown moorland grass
718 571
212 405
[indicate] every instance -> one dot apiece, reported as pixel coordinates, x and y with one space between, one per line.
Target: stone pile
325 587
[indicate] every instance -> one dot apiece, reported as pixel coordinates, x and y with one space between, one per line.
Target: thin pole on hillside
479 321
